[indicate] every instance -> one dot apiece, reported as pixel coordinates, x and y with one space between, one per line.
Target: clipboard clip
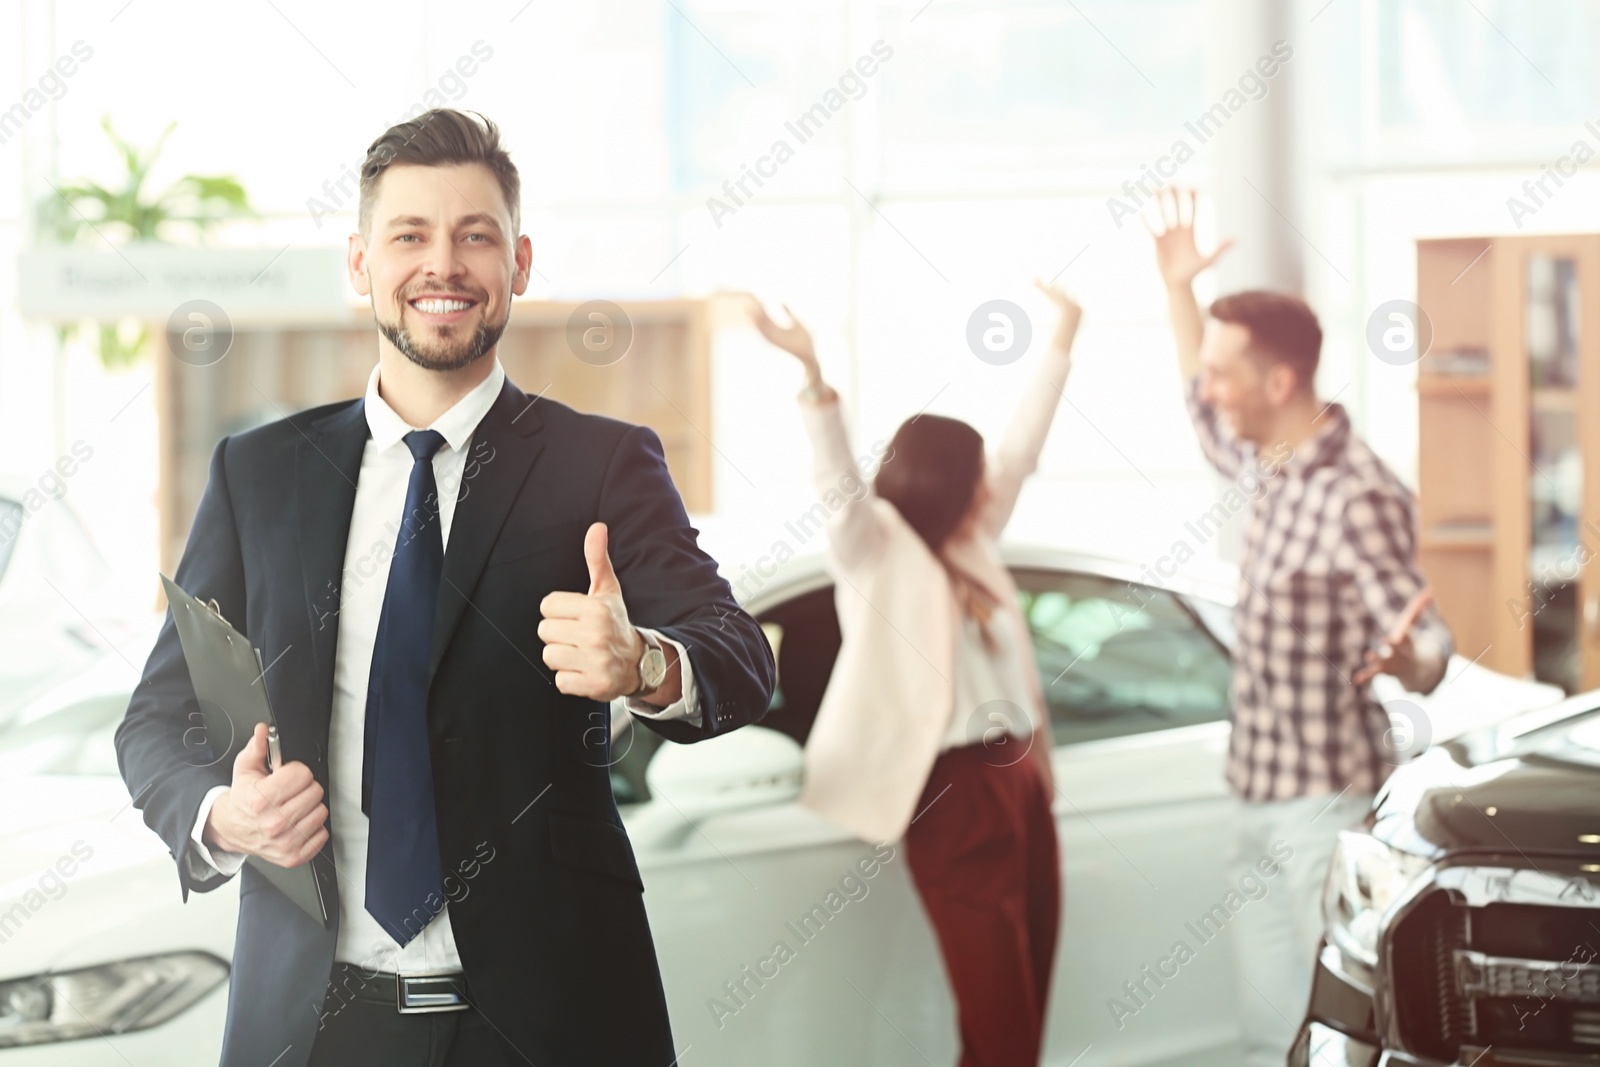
274 752
216 609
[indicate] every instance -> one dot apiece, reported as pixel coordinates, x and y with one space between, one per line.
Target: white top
381 487
991 695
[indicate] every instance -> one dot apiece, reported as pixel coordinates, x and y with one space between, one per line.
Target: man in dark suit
446 579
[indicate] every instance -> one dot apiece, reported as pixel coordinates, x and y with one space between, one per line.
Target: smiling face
1246 389
441 263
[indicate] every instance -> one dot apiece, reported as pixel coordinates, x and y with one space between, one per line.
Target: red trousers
983 857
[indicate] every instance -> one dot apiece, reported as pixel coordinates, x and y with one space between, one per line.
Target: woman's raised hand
1068 313
793 338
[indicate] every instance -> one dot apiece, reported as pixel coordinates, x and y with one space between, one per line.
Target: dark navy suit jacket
552 933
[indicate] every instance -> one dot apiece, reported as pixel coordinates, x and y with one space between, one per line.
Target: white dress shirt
374 526
982 676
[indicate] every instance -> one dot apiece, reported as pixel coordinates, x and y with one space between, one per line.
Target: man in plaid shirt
1329 597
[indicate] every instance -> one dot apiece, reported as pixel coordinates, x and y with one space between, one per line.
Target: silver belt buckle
430 991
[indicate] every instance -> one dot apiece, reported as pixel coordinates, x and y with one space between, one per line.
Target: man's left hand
1398 660
587 637
1397 655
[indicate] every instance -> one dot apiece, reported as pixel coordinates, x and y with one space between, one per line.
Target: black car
1463 921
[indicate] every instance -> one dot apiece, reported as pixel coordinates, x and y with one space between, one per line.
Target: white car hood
1470 697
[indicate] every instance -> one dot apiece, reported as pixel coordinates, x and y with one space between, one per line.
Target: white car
782 940
56 611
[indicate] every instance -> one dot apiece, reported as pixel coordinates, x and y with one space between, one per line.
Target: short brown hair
1283 328
434 138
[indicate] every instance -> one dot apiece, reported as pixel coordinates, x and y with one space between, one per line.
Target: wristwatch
652 666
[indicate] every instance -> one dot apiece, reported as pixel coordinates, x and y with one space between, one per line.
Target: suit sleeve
168 776
671 585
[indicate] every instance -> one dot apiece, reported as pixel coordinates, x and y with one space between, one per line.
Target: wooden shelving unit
664 382
1508 471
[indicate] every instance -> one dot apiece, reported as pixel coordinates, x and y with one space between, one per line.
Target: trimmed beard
484 338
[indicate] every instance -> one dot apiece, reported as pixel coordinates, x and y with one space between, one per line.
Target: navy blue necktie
403 871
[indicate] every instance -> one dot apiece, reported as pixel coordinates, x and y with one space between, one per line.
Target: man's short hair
1283 329
437 138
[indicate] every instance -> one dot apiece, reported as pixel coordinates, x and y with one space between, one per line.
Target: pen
274 755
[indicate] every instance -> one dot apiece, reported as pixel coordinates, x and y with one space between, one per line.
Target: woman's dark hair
934 474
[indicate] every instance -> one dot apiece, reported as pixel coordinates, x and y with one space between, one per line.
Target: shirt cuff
686 706
203 863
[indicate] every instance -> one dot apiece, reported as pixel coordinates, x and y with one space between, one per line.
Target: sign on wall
149 280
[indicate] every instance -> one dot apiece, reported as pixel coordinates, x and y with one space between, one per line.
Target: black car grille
1512 976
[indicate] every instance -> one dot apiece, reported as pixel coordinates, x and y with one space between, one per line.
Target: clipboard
227 673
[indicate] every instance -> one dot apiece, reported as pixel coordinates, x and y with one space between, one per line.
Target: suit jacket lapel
327 466
502 452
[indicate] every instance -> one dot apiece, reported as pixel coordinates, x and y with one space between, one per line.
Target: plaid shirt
1329 564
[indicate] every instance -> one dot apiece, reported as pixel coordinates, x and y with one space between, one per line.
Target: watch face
654 668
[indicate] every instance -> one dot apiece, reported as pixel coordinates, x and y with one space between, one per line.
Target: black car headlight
1364 879
113 998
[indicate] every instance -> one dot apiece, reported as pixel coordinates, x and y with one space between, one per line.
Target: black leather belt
408 994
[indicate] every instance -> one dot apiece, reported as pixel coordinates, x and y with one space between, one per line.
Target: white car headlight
1365 877
113 998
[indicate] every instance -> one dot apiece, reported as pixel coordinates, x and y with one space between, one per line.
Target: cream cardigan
890 698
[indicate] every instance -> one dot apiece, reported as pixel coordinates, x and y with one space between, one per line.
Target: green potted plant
86 211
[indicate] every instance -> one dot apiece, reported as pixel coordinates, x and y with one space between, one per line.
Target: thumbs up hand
597 550
588 640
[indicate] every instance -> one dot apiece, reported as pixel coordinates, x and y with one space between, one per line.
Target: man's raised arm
1180 261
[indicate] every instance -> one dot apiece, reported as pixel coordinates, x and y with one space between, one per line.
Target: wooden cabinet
271 371
1508 469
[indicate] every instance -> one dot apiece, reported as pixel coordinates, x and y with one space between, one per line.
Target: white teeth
441 307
